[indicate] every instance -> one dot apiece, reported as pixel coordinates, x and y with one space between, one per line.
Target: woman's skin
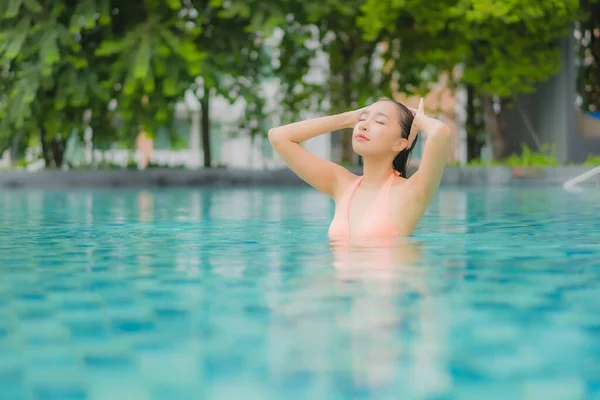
377 137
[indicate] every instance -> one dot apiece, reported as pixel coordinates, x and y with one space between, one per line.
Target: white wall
5 160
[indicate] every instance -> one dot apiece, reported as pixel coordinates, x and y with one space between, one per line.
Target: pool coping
116 178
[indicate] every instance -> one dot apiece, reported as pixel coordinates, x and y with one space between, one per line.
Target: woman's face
378 131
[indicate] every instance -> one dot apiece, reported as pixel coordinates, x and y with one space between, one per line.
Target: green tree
356 74
48 79
326 29
234 37
588 44
257 42
504 48
293 55
152 59
117 67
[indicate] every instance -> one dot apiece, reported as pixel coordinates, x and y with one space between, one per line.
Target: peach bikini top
376 222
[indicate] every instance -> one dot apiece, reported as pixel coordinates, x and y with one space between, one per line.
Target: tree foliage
352 74
63 63
234 38
120 67
48 79
152 60
588 44
504 47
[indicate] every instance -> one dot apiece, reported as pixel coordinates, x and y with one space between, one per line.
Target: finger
421 104
412 136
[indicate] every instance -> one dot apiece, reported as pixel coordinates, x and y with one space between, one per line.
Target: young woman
382 202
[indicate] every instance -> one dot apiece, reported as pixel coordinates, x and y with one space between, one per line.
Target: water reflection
145 206
391 299
374 256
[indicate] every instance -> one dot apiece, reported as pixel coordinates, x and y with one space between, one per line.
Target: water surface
237 293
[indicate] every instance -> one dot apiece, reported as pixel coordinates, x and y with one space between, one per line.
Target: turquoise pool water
238 294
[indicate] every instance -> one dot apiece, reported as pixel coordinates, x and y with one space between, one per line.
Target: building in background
550 116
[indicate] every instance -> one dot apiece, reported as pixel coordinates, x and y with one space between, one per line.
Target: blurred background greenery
85 79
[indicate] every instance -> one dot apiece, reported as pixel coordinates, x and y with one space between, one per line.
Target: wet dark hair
400 163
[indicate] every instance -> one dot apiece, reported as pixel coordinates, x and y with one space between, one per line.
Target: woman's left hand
417 125
423 124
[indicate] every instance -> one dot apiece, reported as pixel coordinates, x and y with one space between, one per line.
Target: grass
592 160
545 157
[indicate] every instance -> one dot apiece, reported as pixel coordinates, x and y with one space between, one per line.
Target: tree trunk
45 148
205 127
58 147
472 126
18 146
496 126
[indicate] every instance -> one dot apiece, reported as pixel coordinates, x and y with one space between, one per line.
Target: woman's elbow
273 136
442 133
277 136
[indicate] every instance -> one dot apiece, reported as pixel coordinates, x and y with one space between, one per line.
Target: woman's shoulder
345 180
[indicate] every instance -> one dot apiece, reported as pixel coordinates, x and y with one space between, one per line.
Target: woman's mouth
360 136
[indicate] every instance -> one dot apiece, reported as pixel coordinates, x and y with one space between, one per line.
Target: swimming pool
224 293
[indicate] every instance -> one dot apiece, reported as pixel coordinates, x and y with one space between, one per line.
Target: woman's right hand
354 116
322 174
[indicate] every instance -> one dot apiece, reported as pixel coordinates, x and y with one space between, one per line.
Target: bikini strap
388 184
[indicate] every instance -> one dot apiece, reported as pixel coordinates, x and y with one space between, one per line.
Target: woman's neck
376 172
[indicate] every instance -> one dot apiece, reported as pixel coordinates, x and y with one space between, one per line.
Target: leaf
130 84
216 3
49 52
163 51
161 116
170 86
110 47
160 66
17 41
13 8
65 38
104 12
80 94
84 16
149 83
97 90
3 7
235 9
174 4
60 101
33 5
194 69
142 59
77 62
171 40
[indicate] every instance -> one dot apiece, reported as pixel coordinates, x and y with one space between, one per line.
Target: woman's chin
365 152
360 148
